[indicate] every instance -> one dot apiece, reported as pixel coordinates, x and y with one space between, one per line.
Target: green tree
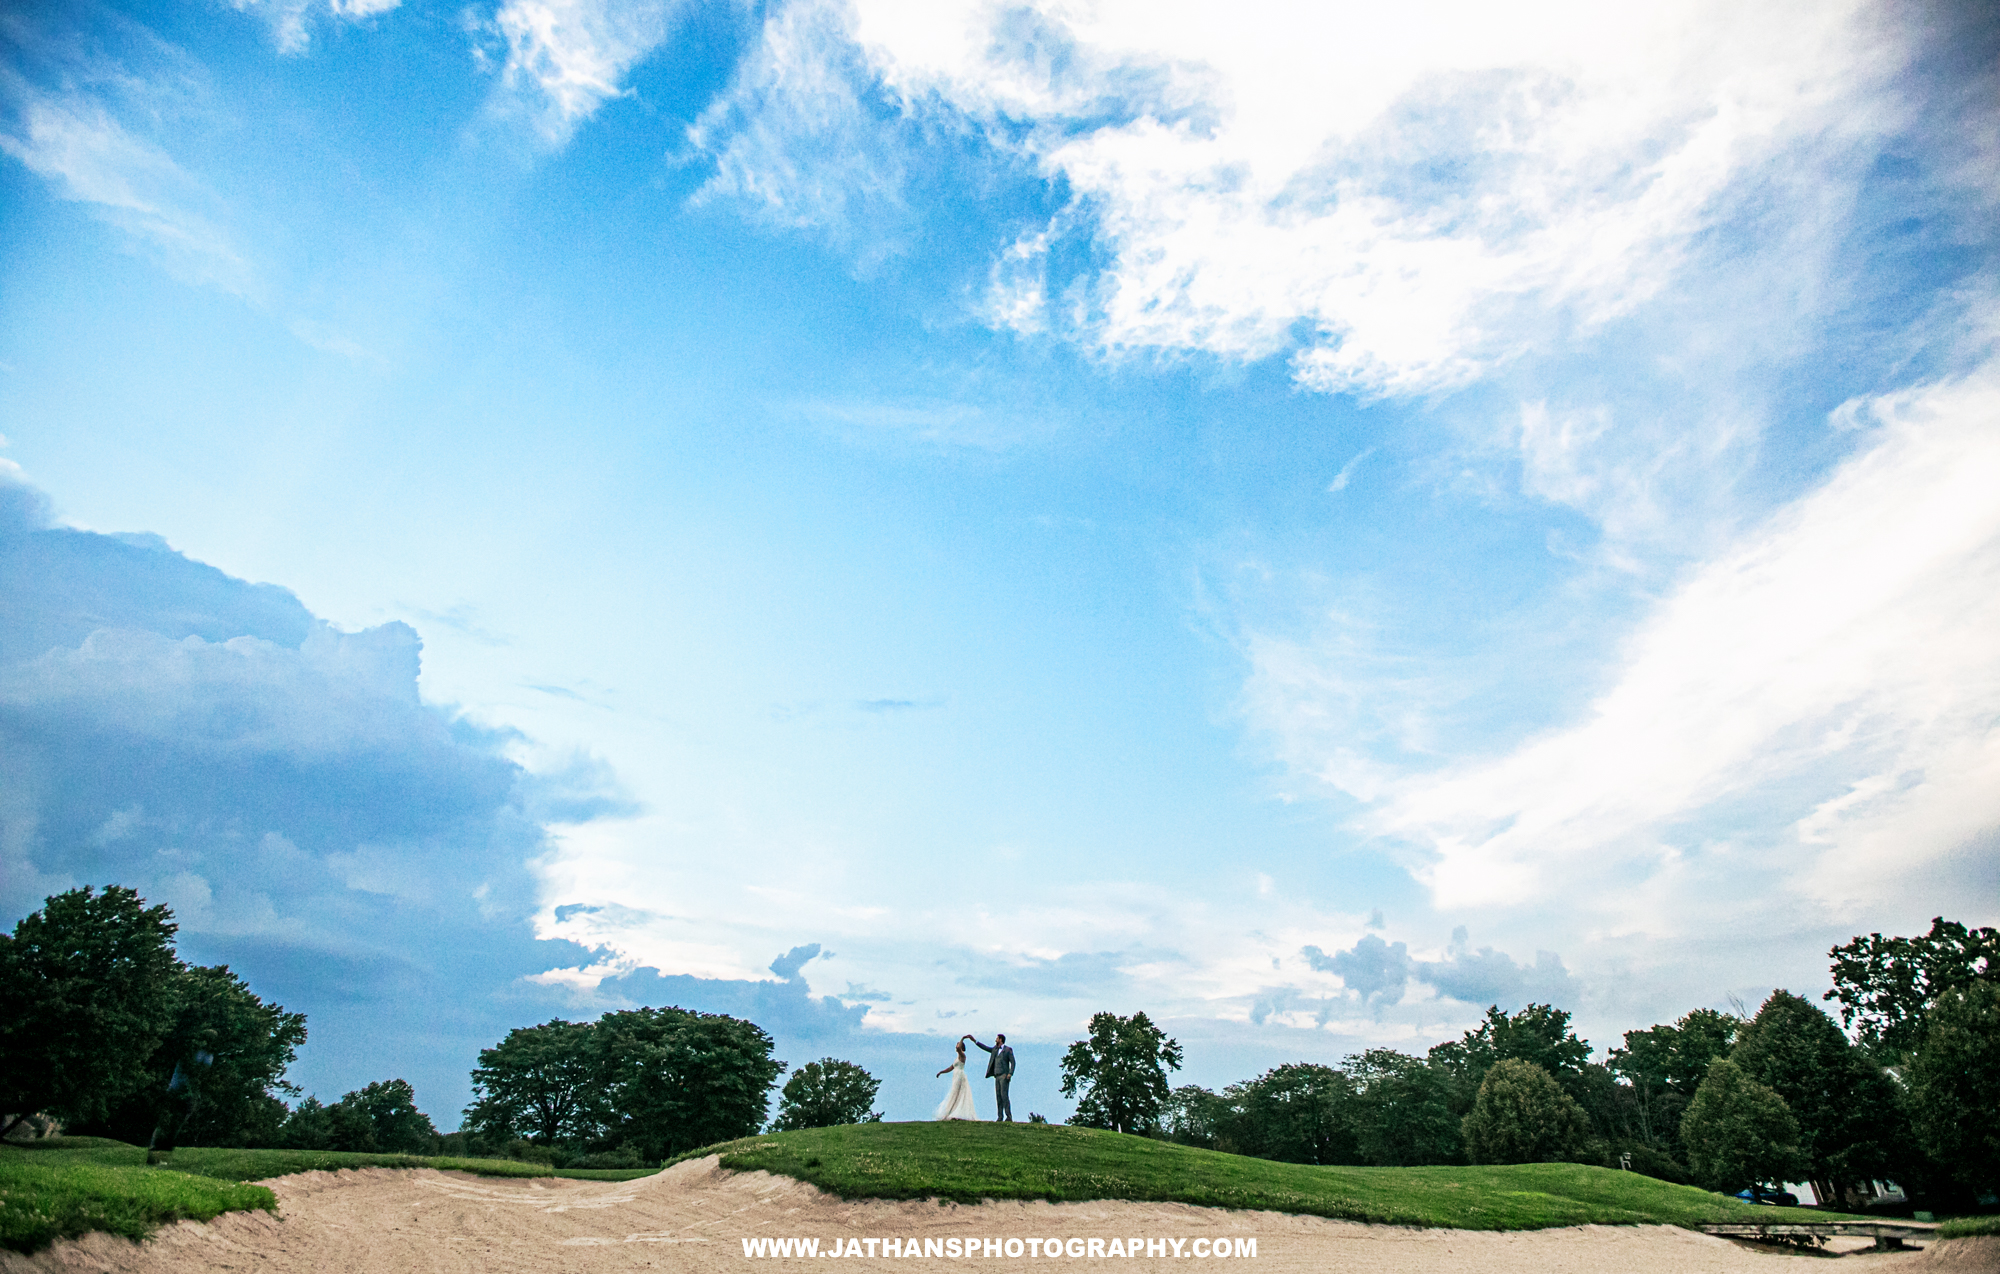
1296 1113
1121 1069
309 1126
545 1083
1849 1116
827 1093
1522 1115
231 1050
1954 1084
1665 1066
1408 1110
1539 1033
1740 1133
382 1118
1194 1116
1886 985
678 1079
85 1000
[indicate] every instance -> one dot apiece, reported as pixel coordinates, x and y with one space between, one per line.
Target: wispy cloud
1826 690
291 20
71 140
941 423
1429 191
1346 474
566 58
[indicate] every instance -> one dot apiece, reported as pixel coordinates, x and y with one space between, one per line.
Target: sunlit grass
966 1162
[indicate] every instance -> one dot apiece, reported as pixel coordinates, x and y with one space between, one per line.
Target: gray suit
1000 1069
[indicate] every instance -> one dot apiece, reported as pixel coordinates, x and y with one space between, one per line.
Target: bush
1651 1161
1522 1115
1739 1133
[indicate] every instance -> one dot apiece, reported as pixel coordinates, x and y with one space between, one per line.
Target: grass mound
965 1162
1969 1227
65 1187
44 1198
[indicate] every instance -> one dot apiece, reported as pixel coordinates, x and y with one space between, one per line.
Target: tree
85 1000
1296 1113
1122 1070
1194 1116
826 1093
308 1127
1522 1115
1665 1066
1954 1084
1739 1132
1886 985
545 1083
1847 1109
383 1118
1408 1110
1539 1033
678 1079
230 1051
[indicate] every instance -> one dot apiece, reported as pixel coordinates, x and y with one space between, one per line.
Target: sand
695 1216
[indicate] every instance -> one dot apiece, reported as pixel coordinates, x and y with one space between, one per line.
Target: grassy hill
68 1186
971 1161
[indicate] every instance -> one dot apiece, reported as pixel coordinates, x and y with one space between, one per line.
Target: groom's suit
1000 1069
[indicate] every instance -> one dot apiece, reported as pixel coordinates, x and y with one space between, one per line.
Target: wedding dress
958 1102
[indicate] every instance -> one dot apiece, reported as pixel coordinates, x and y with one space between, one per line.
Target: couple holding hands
999 1069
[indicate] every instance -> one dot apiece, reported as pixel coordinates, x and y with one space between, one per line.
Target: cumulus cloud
1379 973
357 852
1373 969
1425 193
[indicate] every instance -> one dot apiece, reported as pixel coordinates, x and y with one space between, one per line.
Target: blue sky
892 519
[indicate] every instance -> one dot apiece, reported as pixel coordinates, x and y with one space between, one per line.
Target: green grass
1967 1227
48 1197
965 1162
65 1187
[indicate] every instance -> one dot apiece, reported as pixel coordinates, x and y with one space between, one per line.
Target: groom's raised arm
977 1044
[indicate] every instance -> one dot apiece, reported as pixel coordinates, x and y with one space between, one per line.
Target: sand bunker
695 1216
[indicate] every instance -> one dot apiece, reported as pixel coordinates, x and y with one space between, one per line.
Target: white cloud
566 58
74 143
1828 692
290 19
1429 189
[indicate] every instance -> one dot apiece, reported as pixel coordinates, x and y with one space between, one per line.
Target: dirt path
695 1216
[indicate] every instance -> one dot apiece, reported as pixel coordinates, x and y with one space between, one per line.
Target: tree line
106 1031
1722 1100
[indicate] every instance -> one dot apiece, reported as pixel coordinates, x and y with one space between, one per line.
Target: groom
999 1069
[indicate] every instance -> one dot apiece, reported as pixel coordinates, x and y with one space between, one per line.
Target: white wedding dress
958 1102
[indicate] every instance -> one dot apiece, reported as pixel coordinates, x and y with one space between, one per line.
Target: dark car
1770 1198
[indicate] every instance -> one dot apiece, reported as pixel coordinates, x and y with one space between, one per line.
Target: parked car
1770 1198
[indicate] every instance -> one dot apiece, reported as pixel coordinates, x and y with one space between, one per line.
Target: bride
958 1102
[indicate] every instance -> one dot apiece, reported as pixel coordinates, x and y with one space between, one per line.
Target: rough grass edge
69 1201
1969 1227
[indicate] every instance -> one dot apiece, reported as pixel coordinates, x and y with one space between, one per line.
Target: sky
889 520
